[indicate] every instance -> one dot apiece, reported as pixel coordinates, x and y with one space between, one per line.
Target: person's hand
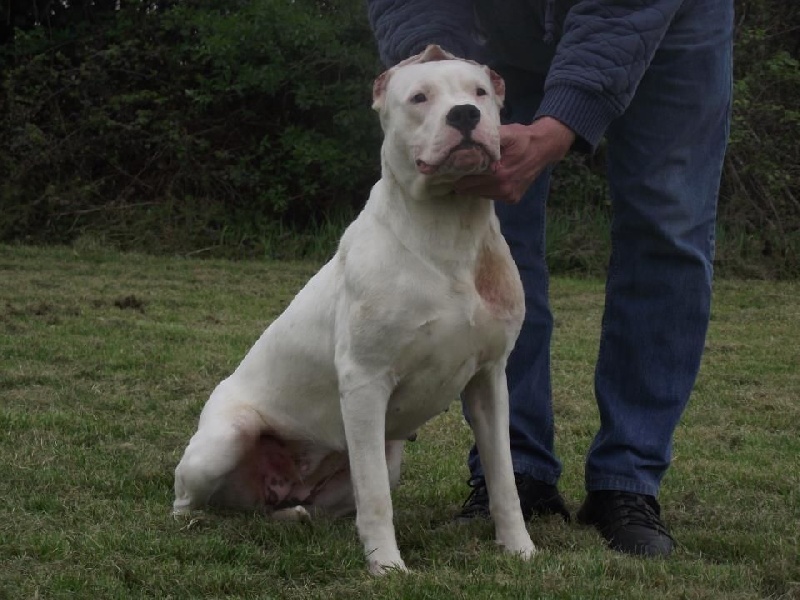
525 151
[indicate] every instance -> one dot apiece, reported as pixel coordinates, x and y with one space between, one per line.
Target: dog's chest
473 325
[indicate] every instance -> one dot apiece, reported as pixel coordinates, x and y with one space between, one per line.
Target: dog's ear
499 86
432 53
435 52
379 89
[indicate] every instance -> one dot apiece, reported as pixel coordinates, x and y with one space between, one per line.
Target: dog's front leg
486 397
364 414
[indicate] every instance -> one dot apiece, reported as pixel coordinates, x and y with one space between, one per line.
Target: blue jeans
665 158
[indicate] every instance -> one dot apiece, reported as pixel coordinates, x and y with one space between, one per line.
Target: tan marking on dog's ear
379 89
498 83
499 86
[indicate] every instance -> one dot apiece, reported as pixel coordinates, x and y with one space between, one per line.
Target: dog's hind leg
212 454
394 460
486 397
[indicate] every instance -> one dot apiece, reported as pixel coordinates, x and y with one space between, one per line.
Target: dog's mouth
468 156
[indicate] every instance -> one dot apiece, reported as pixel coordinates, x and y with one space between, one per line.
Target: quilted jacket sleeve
603 54
404 27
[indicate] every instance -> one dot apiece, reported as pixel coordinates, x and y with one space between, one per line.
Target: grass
106 360
578 238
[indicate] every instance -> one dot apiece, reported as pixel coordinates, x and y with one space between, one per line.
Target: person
654 78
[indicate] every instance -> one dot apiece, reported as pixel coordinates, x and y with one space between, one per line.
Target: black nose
463 117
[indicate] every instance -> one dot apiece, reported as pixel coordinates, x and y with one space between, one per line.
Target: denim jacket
594 52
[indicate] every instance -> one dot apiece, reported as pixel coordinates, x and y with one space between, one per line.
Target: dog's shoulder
370 253
497 280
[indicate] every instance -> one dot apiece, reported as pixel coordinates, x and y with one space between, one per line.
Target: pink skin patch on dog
283 474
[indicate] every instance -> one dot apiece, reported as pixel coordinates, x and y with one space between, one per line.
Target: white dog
421 303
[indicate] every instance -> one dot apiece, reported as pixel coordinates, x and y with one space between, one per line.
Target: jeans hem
546 475
620 484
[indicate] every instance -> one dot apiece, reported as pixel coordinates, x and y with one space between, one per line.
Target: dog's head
440 114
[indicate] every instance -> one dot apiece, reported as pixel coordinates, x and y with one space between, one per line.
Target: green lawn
107 359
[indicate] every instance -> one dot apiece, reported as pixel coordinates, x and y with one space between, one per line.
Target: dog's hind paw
295 513
179 512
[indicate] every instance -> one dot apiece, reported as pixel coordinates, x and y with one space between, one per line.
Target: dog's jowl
420 305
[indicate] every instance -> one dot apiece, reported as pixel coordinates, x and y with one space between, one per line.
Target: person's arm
403 28
606 47
605 50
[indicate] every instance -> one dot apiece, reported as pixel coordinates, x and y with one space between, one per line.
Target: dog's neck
449 227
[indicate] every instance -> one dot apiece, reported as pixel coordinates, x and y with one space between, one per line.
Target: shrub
204 123
760 200
243 126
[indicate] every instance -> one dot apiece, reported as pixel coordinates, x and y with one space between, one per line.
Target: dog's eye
418 98
481 92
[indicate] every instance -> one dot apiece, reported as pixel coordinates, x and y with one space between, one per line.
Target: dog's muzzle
466 157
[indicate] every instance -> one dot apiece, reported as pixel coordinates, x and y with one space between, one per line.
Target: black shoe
535 498
630 523
476 506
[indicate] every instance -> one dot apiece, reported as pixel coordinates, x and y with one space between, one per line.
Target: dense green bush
244 125
203 124
760 198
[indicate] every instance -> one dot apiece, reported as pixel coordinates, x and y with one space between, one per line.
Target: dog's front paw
383 563
378 569
525 552
522 547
